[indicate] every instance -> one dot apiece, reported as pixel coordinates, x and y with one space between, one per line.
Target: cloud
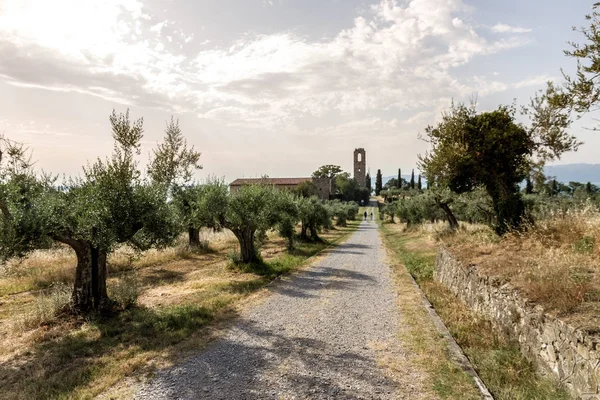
397 56
503 28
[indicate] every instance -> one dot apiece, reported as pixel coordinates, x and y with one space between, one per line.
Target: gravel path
321 334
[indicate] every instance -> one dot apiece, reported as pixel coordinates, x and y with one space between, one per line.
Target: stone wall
556 348
324 187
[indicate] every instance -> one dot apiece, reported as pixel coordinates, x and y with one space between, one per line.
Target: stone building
324 185
360 167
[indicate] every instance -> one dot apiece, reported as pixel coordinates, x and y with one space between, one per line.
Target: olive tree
251 210
171 168
314 217
201 206
470 149
288 215
110 204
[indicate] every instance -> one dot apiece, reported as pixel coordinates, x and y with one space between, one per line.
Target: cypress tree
378 182
368 181
419 185
412 179
528 186
588 187
554 187
399 184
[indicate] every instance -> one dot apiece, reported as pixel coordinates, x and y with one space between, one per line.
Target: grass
506 373
554 263
184 298
426 348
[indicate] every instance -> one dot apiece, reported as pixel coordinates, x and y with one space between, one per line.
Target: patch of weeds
46 307
125 291
585 245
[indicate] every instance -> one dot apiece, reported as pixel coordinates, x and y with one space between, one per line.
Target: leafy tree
412 179
201 206
378 183
109 205
582 92
327 171
172 167
392 183
24 202
348 189
314 217
288 214
173 163
249 211
306 189
490 149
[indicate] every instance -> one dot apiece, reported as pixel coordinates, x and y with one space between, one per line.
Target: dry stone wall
571 355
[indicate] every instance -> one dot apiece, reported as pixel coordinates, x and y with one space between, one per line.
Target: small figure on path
365 215
371 215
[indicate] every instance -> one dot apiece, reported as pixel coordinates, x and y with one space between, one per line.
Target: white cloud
503 28
400 55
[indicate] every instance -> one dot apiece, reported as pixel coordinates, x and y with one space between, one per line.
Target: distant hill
564 173
574 172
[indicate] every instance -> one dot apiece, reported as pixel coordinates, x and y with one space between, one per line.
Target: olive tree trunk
452 221
89 290
194 237
303 232
247 248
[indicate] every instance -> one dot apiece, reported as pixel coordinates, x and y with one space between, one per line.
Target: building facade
360 167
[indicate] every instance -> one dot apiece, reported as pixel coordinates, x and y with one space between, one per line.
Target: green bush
126 291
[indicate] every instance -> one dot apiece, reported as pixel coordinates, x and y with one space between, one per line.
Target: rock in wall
556 348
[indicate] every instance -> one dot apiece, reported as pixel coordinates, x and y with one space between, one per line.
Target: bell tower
360 166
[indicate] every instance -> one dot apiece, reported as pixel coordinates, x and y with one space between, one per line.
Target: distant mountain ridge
564 173
574 172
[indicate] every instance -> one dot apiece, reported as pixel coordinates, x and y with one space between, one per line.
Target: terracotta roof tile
269 181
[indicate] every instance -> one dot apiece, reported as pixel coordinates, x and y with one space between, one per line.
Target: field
183 299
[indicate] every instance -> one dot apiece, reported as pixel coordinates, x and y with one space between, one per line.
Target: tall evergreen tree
399 184
368 182
412 179
528 186
378 182
419 185
588 187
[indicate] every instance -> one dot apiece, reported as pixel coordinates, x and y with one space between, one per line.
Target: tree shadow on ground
57 367
256 363
310 283
162 275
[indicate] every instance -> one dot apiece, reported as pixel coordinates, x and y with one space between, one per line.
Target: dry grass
183 296
554 263
506 373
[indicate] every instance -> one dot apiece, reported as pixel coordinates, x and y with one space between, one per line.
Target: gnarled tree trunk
89 291
303 232
247 249
452 221
194 237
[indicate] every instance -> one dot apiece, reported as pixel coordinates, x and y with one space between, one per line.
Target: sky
272 87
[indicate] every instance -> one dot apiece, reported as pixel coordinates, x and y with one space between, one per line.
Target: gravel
321 334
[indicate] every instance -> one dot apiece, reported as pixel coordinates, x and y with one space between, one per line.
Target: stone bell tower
360 166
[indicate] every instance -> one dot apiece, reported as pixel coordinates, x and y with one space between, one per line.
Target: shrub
46 307
125 291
